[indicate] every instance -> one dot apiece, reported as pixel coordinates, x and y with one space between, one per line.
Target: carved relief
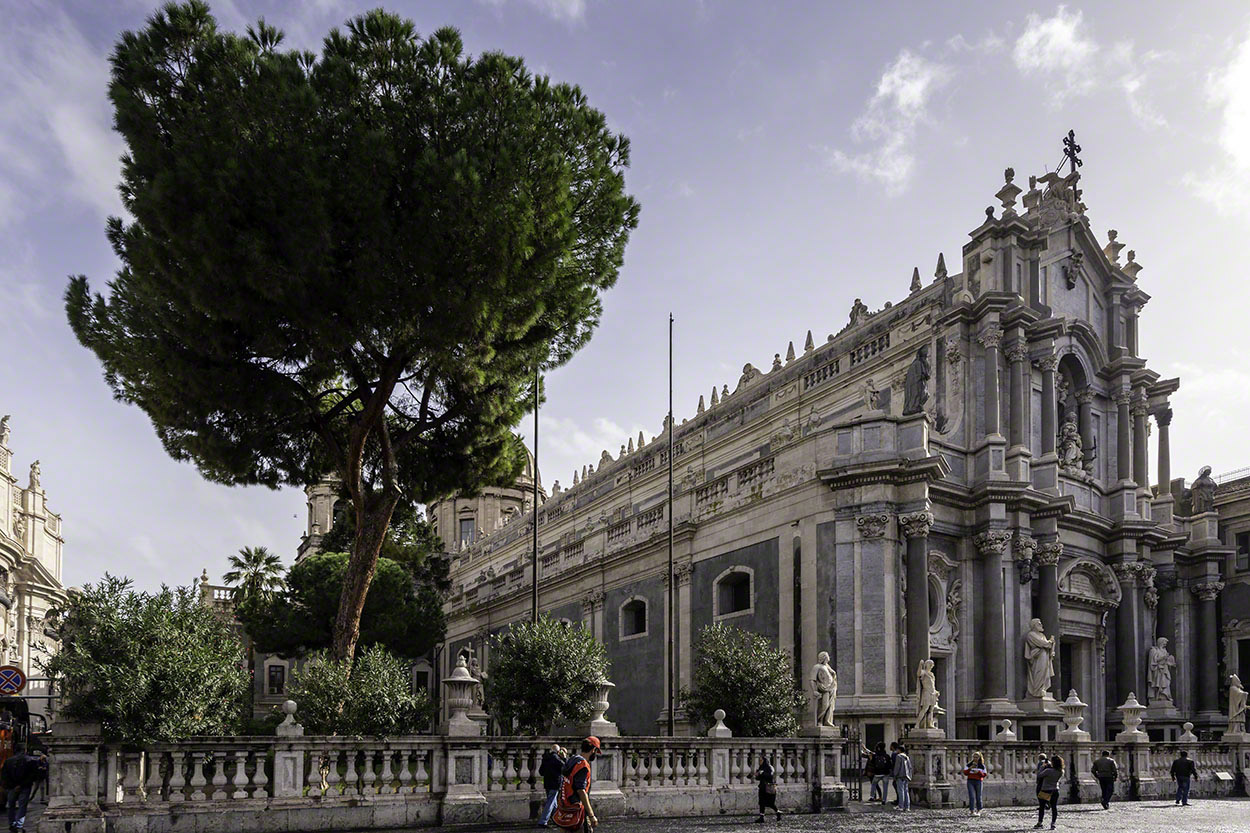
872 526
916 524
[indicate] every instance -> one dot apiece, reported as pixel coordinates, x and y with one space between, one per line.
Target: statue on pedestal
927 709
1160 667
825 686
1070 452
1236 706
914 384
1039 652
1203 492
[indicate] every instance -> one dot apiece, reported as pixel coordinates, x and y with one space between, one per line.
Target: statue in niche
1160 663
870 395
915 384
1070 453
927 708
1039 652
1203 492
1236 706
825 687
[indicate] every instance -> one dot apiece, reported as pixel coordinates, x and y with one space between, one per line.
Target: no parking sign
12 680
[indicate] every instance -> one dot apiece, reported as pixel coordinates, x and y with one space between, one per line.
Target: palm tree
255 573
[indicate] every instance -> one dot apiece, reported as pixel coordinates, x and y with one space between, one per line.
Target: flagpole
672 583
534 593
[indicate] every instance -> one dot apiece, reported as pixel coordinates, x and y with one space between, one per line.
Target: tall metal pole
534 594
672 578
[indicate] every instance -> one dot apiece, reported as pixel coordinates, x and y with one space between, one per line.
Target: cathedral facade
961 477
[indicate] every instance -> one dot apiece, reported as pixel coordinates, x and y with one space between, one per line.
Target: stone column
991 545
1085 421
915 528
1206 669
990 339
1114 324
1050 429
1048 594
1018 355
1163 419
1165 621
1123 399
1131 633
1141 460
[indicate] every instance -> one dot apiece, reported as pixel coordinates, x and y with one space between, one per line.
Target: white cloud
890 119
1058 49
684 190
1228 184
57 140
566 445
557 9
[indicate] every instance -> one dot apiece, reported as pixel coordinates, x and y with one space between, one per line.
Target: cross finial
1070 151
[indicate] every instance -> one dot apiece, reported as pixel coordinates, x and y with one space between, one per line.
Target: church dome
527 476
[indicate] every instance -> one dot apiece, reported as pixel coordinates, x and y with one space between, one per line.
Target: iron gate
852 764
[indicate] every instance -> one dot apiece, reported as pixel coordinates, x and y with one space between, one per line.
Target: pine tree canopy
350 261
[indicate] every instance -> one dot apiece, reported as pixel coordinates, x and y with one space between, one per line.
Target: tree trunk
371 527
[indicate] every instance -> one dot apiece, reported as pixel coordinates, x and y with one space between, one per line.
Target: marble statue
1070 453
34 476
1161 664
4 430
870 395
1039 652
1236 706
927 709
825 687
858 310
1203 492
915 383
479 688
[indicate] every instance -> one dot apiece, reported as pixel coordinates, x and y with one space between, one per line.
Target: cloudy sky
788 157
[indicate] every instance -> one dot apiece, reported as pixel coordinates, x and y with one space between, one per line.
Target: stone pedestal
915 733
827 732
464 801
1040 707
719 729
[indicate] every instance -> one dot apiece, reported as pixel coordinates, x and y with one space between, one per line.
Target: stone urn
1132 712
599 726
1073 717
460 685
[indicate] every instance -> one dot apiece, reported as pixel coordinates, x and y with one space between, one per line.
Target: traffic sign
12 679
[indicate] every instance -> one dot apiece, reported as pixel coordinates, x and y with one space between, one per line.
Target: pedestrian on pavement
573 810
1182 770
1048 779
767 776
550 769
1106 771
19 774
902 778
880 767
1043 761
975 772
890 779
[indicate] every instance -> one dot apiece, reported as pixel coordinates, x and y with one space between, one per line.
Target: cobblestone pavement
1209 816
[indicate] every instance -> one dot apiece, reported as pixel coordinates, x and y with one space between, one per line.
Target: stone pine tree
350 261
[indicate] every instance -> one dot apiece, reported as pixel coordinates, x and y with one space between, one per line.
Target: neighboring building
30 575
1232 502
921 484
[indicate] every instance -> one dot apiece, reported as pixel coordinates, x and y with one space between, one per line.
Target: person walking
902 778
1105 771
767 776
890 777
550 768
975 772
1183 769
19 775
880 767
573 810
1048 779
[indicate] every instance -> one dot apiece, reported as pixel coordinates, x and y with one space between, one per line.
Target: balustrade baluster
386 785
666 773
644 768
509 769
260 781
153 787
404 775
351 781
704 778
177 778
734 767
240 773
527 770
198 781
496 771
219 776
421 783
314 775
333 779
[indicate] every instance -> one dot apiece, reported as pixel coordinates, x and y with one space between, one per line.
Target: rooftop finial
700 409
1070 151
915 279
941 267
790 353
809 345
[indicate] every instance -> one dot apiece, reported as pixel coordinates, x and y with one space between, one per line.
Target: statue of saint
915 383
34 476
1070 452
4 430
1161 664
858 310
1039 652
479 689
1236 706
927 709
825 687
1203 491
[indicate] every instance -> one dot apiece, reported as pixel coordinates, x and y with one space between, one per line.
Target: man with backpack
550 769
19 775
573 810
879 769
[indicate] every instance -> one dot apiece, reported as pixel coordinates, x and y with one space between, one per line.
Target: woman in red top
975 772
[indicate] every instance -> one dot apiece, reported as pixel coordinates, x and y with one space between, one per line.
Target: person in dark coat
1105 770
550 770
1048 778
767 776
1183 770
19 775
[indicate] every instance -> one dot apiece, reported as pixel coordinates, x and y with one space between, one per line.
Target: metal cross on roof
1070 151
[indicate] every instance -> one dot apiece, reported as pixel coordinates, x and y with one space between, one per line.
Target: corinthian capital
1141 406
1163 417
993 541
1017 352
1048 364
1124 396
1208 591
916 524
991 337
1085 396
1048 553
872 526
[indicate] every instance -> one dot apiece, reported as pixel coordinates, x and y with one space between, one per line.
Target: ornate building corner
992 541
872 526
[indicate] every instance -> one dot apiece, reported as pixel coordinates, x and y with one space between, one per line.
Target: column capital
1208 591
1141 405
1166 580
1048 553
1017 352
1048 363
1123 396
872 526
991 337
592 601
1163 417
916 524
1024 547
1085 396
993 541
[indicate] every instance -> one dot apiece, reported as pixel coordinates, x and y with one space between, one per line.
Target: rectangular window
1243 550
423 681
277 679
466 530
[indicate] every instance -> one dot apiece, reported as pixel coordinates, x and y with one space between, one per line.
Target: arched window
633 618
734 592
